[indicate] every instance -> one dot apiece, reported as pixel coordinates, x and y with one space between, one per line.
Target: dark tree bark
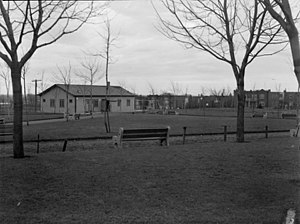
23 26
109 40
235 32
281 11
18 111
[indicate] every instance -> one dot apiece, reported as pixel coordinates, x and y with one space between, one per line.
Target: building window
95 102
61 103
70 100
261 96
128 103
52 102
44 100
119 103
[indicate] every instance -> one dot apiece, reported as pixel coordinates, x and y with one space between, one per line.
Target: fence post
38 144
266 131
225 133
65 145
184 133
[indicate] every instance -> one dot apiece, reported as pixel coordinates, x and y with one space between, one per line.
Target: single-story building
85 98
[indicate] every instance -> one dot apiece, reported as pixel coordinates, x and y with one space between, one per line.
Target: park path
60 119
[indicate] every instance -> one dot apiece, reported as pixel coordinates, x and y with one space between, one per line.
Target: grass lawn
33 116
212 182
196 124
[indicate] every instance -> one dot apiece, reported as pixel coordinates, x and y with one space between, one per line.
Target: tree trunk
18 111
295 49
240 111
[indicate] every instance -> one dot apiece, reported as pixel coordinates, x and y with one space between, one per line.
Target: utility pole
35 92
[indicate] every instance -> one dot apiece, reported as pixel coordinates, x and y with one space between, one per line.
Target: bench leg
164 140
161 142
117 142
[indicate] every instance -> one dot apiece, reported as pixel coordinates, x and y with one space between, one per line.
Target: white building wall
82 104
57 94
127 103
124 106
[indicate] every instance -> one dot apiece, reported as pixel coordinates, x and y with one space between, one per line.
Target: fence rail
184 135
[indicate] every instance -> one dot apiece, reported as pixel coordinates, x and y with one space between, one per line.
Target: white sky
144 56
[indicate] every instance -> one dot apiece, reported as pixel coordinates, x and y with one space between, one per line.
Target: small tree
235 32
92 75
176 89
28 26
64 76
43 83
109 42
153 93
4 74
25 70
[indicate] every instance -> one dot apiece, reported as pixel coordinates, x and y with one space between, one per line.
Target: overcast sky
144 57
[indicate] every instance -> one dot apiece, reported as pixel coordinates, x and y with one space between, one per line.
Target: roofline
53 86
87 95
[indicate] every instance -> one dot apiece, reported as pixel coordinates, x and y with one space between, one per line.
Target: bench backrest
144 133
5 128
2 120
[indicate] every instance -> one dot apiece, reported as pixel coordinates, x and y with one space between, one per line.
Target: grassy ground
32 116
212 182
196 124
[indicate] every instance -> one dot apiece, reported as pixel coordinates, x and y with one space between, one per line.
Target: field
204 181
212 182
85 128
32 116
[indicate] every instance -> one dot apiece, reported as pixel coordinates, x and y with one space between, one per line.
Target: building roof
85 90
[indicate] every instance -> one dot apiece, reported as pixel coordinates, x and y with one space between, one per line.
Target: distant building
54 99
290 99
265 98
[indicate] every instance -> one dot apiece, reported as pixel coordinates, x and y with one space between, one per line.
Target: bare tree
25 70
220 94
281 11
235 32
153 93
30 25
43 83
151 89
92 75
109 41
176 89
4 74
64 76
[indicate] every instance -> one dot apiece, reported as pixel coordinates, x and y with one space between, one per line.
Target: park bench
259 114
72 116
288 115
141 134
5 131
172 112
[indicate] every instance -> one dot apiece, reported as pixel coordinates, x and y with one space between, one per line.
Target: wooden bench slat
156 130
142 139
142 134
5 134
5 127
6 130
